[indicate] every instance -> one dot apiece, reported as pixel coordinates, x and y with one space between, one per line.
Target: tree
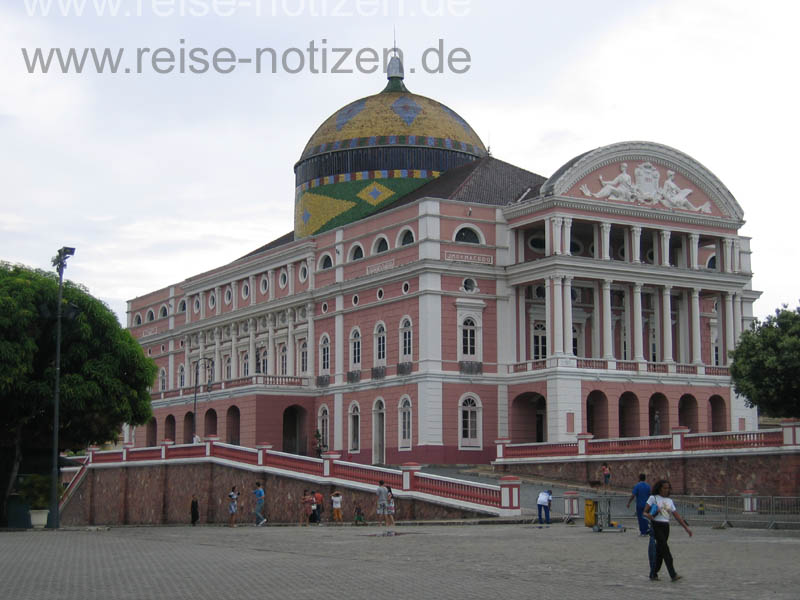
105 376
766 364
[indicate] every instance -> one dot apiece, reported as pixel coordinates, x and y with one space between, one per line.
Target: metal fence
771 512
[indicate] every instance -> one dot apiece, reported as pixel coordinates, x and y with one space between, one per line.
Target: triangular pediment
644 175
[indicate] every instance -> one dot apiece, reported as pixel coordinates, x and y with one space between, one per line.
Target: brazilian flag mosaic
326 207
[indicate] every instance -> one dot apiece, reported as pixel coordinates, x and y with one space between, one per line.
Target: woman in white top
658 510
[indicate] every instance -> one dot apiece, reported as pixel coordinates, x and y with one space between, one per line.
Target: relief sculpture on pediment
646 189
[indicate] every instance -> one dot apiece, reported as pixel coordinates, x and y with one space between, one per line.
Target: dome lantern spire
395 74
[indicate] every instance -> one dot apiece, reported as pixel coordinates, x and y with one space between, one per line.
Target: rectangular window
406 343
354 433
326 358
357 353
381 347
304 361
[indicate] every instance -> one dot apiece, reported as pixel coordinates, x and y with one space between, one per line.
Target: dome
373 151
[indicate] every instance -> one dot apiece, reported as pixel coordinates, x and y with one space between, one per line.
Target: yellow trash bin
590 512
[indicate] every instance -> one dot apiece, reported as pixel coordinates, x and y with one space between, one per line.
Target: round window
197 305
228 296
284 278
406 287
469 285
540 293
536 243
324 307
380 294
212 300
355 300
264 285
303 273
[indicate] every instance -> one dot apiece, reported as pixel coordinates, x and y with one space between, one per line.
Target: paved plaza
436 561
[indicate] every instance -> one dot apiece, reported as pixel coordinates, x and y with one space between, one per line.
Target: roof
281 241
483 181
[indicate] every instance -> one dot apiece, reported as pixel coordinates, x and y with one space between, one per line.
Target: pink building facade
462 305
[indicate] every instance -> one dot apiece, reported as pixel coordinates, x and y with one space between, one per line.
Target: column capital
696 291
637 287
568 279
558 220
607 284
665 233
605 225
694 236
636 229
567 221
666 289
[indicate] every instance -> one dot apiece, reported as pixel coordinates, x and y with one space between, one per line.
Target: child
336 503
195 510
389 508
358 517
233 506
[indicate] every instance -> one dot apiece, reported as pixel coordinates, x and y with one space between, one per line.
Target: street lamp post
196 383
60 263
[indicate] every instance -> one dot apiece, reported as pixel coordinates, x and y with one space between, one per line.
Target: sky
157 176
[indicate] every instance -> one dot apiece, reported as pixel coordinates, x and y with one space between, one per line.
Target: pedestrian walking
543 503
258 492
383 500
233 506
195 510
658 510
320 507
390 507
606 471
641 493
336 504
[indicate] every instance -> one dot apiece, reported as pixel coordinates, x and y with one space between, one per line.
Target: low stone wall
768 474
161 494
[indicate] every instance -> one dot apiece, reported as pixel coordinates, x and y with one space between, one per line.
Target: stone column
737 318
218 302
694 242
311 343
290 279
665 248
608 347
202 296
727 263
234 351
201 367
557 222
737 251
311 272
596 322
568 316
290 343
251 350
252 281
728 328
234 295
189 309
696 350
548 317
558 322
187 365
666 323
567 236
271 280
217 353
638 354
636 244
271 344
605 237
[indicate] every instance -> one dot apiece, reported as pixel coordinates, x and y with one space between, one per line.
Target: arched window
210 371
380 345
137 320
163 312
162 380
404 442
468 330
169 428
264 361
381 245
357 253
181 377
324 355
322 426
245 365
355 428
467 235
151 316
326 263
539 341
406 338
182 306
355 350
470 421
228 373
712 262
284 358
408 238
304 357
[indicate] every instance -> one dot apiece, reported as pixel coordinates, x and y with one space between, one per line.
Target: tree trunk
16 461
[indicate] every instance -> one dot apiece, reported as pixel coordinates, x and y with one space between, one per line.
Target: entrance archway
188 427
210 422
687 413
152 432
717 413
294 430
628 415
658 414
529 418
597 414
169 428
232 428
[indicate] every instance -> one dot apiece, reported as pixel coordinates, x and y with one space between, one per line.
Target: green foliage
35 490
766 364
104 373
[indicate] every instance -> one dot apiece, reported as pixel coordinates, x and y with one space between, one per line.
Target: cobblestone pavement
437 562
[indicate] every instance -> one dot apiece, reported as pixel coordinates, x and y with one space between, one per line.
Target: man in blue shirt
641 492
259 511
